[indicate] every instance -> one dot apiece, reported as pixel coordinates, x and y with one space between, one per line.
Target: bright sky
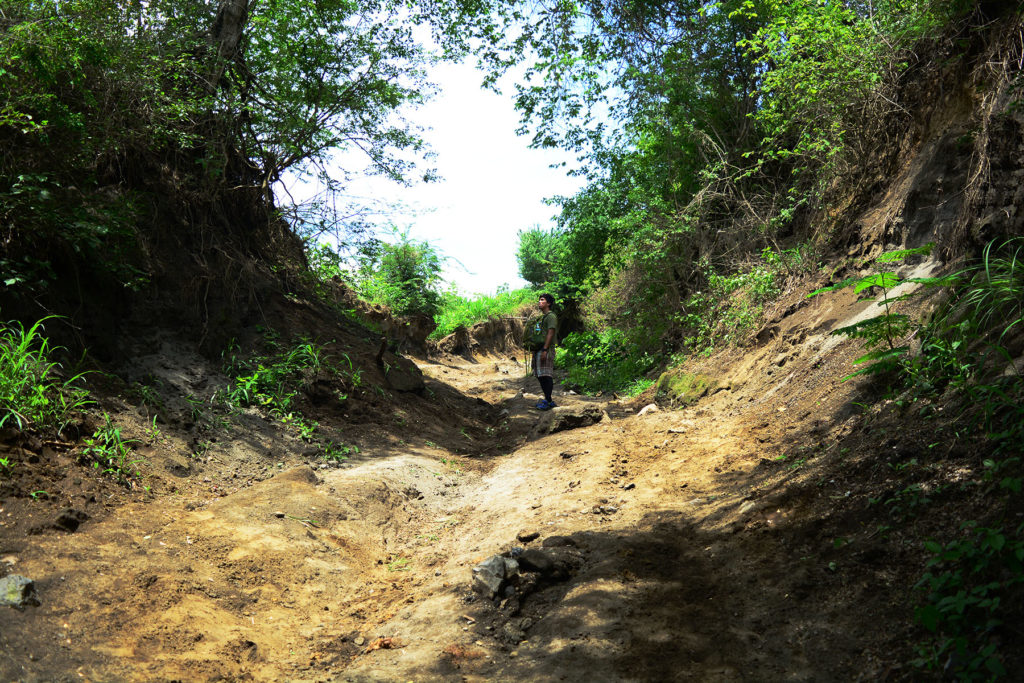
492 184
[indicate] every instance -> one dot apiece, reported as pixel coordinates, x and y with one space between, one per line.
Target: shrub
32 394
604 361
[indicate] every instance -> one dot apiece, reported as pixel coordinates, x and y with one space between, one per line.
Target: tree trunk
225 35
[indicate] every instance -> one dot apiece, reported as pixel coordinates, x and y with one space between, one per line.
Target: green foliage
458 311
404 275
338 452
540 256
603 361
111 453
272 381
32 392
109 110
881 333
968 345
969 588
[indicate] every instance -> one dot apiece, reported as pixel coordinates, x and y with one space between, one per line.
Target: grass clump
111 453
458 311
33 394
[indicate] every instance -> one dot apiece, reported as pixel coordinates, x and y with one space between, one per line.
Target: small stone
609 509
279 514
649 408
511 567
359 641
526 537
629 487
747 507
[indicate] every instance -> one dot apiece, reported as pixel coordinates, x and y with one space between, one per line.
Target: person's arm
549 340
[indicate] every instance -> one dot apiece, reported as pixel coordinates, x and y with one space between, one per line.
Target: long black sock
546 385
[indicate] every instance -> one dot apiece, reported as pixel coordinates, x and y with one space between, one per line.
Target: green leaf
901 254
831 288
928 616
882 355
884 280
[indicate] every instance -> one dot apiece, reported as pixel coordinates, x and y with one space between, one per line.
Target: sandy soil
726 541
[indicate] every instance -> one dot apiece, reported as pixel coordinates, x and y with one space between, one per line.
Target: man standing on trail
542 335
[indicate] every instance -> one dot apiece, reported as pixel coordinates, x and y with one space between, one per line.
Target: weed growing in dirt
148 394
31 391
196 411
400 564
973 583
202 448
970 345
305 428
6 465
272 381
337 452
452 465
883 333
110 452
152 431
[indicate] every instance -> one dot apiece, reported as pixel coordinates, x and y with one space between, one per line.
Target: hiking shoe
545 405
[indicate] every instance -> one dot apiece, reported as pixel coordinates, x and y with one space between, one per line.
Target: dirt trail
693 551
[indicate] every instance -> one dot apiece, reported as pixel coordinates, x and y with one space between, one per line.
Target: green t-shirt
537 330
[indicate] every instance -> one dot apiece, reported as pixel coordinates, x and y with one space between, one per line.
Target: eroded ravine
669 524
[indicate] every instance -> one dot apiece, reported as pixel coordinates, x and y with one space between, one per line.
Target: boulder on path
562 419
537 561
18 591
489 576
681 389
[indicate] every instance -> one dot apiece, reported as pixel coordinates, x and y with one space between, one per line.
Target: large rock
489 576
574 417
680 389
401 373
18 591
534 560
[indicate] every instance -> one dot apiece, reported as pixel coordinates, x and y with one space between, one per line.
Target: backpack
534 334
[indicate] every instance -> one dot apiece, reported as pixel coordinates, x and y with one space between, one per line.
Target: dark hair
550 299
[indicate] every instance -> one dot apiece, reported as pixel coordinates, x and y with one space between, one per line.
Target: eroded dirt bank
691 544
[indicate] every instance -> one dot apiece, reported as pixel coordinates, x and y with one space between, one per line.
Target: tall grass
32 393
459 311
